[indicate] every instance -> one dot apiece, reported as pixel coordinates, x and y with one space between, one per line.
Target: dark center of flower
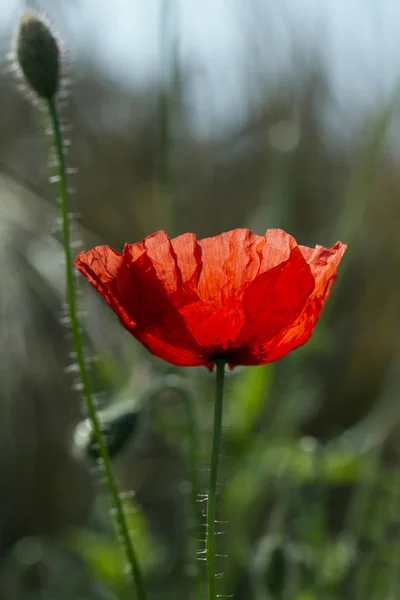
222 352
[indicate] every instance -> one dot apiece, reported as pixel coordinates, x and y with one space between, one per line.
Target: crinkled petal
323 264
276 248
275 299
232 260
106 270
134 291
222 270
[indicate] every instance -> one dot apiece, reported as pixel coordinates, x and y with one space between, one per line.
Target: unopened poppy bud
38 55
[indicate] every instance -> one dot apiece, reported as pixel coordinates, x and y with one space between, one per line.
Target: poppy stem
120 517
212 488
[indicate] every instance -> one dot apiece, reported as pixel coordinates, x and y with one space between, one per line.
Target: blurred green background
206 116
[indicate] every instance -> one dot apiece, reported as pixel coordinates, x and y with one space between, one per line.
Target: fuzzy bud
38 55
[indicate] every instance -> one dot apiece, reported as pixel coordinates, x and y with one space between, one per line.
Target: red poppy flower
237 296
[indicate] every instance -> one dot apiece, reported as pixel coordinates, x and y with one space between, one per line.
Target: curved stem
120 517
212 488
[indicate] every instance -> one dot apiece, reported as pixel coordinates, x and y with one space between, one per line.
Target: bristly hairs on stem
38 55
212 488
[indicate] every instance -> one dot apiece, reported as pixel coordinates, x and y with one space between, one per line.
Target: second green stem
120 517
212 488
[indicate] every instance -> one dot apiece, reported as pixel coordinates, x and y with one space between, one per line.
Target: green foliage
247 402
104 555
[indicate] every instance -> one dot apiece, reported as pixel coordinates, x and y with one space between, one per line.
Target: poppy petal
135 293
323 264
106 270
227 265
156 281
223 267
275 299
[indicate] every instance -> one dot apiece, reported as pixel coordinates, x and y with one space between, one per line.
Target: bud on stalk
38 55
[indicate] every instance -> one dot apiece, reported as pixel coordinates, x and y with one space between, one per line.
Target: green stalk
120 517
212 488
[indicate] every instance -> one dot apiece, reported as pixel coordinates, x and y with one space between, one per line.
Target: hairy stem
212 488
120 517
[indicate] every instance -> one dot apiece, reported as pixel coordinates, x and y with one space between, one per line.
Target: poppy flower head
240 297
